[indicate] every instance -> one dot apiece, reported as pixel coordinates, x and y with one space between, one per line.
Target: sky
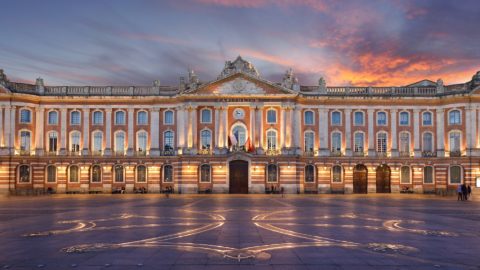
357 42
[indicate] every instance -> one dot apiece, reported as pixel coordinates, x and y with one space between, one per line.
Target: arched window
454 117
24 174
142 141
427 142
240 134
359 141
405 175
75 118
205 173
206 116
73 174
308 115
141 174
404 119
428 175
358 119
427 119
142 118
168 144
51 174
309 141
455 175
336 142
271 139
52 142
455 138
337 174
382 142
167 174
336 118
168 118
206 139
381 119
53 118
405 143
96 174
25 141
97 143
25 116
271 116
75 141
309 173
120 142
120 118
98 118
272 173
119 173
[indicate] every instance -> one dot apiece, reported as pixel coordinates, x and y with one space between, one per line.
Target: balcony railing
429 154
358 154
167 152
140 153
310 153
207 151
457 153
381 154
74 153
404 153
273 152
119 153
336 153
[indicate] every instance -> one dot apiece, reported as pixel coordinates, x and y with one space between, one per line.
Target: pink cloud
314 4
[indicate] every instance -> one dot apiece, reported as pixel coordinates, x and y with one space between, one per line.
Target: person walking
469 191
459 193
464 192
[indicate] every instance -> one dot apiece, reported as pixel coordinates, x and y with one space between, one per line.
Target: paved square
401 231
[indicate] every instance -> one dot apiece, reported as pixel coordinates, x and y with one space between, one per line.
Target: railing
24 152
167 153
119 153
310 153
429 154
381 154
273 152
457 153
110 90
51 153
140 153
404 153
206 151
74 153
358 154
336 153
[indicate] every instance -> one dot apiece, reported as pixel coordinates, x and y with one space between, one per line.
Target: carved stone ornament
239 86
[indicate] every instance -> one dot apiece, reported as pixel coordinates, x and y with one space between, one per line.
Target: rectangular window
358 118
382 142
271 116
359 140
336 142
52 142
428 175
404 121
168 118
25 116
336 118
381 119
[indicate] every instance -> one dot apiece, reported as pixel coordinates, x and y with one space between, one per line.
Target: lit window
168 141
51 174
52 141
24 174
358 142
73 174
455 175
309 141
118 170
405 175
206 139
382 142
272 173
336 142
167 174
205 173
337 174
96 174
271 140
141 174
309 174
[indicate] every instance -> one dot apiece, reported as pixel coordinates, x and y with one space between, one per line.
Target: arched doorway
238 170
383 179
360 179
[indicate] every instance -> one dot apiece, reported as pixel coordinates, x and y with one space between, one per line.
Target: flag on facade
248 145
233 138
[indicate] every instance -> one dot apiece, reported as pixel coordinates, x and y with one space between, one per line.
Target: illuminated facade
239 133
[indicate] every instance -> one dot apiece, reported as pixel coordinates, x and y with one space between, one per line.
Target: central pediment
238 86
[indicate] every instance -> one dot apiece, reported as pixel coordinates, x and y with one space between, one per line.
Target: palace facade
239 133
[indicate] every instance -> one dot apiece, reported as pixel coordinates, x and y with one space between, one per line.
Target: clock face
238 114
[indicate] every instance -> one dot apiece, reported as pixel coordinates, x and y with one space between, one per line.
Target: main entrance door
360 179
383 179
238 170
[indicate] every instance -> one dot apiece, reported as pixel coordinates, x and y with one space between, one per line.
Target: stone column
217 129
194 134
154 131
108 132
323 132
131 146
440 133
416 133
63 131
86 131
260 129
282 126
188 117
371 135
471 130
297 130
180 128
7 129
289 127
226 130
2 130
12 129
39 130
251 128
348 132
393 131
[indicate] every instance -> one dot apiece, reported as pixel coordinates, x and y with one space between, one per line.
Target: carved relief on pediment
239 86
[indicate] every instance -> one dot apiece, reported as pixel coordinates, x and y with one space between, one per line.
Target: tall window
336 142
53 118
308 117
118 170
427 118
142 141
52 141
25 140
271 140
336 174
455 138
119 118
75 118
427 141
205 173
309 141
272 173
404 119
25 116
455 175
405 175
142 118
120 142
240 134
167 174
206 116
336 119
73 174
382 142
405 142
428 175
141 174
168 120
75 141
98 118
97 141
24 174
168 141
309 174
358 119
51 174
381 119
454 117
358 143
206 139
96 174
271 116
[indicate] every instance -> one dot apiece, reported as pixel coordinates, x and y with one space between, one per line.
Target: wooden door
238 171
383 179
360 180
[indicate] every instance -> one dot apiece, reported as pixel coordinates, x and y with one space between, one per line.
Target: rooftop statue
476 80
239 65
290 81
